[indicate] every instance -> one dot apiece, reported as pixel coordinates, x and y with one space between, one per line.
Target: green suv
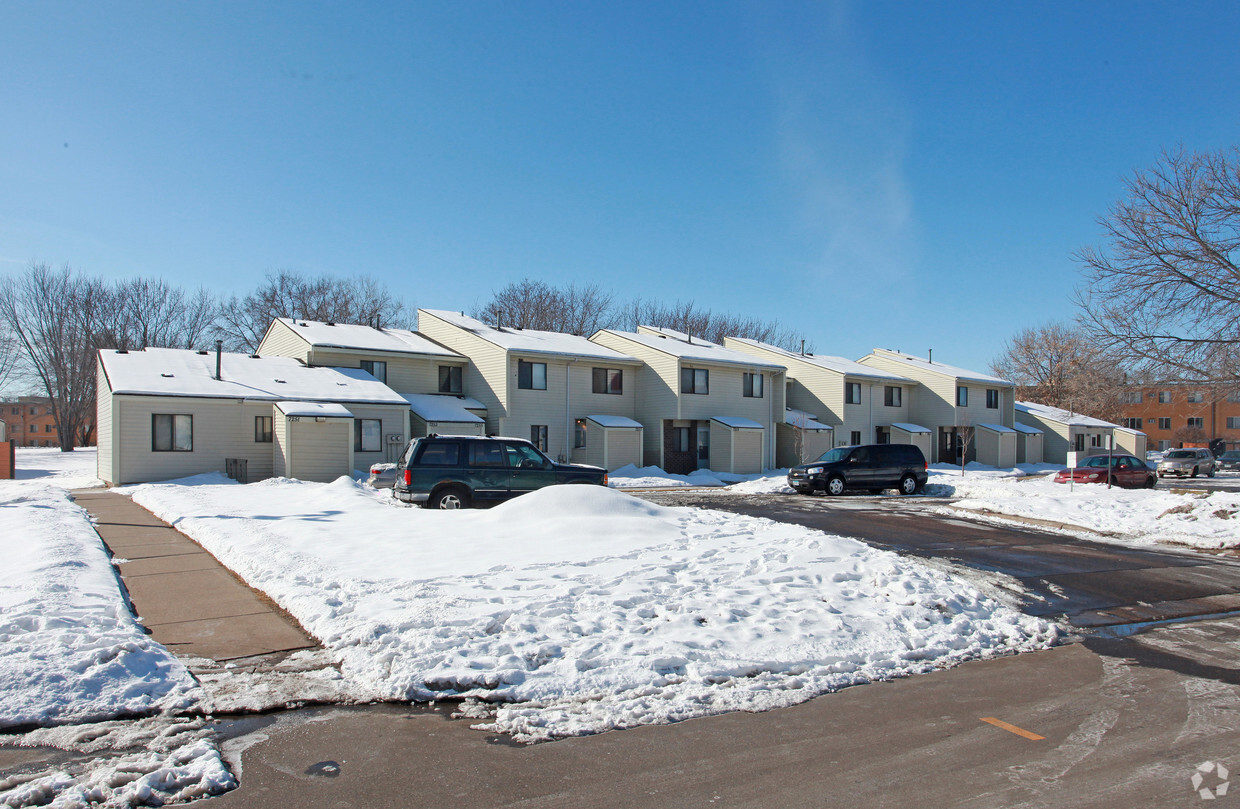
459 471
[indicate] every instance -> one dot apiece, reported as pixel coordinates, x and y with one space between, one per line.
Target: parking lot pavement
1222 482
1124 721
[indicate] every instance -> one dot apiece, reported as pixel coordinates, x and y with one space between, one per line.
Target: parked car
382 476
1190 461
872 466
452 472
1229 460
1125 470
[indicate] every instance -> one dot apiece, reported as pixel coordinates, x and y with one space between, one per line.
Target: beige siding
1132 443
486 376
281 341
624 447
223 428
320 449
393 423
404 374
658 380
103 427
281 448
721 439
795 446
1056 437
923 441
746 451
424 428
1029 448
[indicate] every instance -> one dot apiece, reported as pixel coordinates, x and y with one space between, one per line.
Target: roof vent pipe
219 348
802 348
930 357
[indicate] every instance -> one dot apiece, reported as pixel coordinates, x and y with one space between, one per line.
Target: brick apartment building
1175 415
30 421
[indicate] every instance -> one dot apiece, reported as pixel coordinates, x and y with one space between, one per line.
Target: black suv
873 466
455 471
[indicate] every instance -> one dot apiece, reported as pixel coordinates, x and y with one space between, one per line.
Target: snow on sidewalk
580 609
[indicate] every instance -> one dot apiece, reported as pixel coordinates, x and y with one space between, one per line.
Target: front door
703 445
948 446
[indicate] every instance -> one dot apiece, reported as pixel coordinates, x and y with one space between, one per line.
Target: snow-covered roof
531 341
910 428
1065 417
921 363
366 338
449 408
1026 429
614 421
1129 430
314 410
804 420
996 428
181 372
693 349
828 362
737 422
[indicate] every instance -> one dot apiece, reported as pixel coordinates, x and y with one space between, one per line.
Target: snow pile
69 649
946 480
165 761
1133 516
581 609
652 477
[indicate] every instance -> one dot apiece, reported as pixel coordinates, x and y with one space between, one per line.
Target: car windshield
1181 454
1230 455
834 455
1095 462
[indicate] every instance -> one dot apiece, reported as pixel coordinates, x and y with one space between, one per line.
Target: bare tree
1061 366
685 316
54 315
145 312
10 354
528 304
244 321
1165 290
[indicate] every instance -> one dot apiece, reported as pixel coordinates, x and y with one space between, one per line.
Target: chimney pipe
219 347
802 348
930 357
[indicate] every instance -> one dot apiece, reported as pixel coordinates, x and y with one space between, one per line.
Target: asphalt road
1091 583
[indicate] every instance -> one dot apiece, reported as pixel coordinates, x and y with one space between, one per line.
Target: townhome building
861 404
1177 415
167 413
573 398
704 406
971 414
430 376
1065 431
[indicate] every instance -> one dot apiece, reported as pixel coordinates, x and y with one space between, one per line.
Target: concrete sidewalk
186 599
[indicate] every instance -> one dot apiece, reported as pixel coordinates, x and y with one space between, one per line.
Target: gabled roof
352 336
828 362
1065 417
909 427
803 420
181 372
531 341
445 408
693 349
923 364
603 420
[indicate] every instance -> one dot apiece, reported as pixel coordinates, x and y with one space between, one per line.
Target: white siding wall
624 447
320 449
223 428
281 341
103 426
746 451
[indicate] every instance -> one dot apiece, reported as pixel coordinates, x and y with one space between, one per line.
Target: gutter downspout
568 413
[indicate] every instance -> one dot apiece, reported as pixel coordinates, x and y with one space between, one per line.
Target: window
1196 421
376 368
486 453
262 429
1132 424
1233 423
694 380
579 434
892 397
367 435
17 411
449 379
752 386
608 380
34 428
681 439
440 453
992 398
1164 397
1196 397
1164 445
1164 423
531 375
852 393
538 435
962 396
172 432
854 438
1080 442
1234 396
47 428
34 411
1130 397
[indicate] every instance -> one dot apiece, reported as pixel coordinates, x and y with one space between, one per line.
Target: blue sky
908 175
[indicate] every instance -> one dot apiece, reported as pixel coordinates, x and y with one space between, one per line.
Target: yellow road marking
999 723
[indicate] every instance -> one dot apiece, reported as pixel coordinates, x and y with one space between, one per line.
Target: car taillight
604 478
408 478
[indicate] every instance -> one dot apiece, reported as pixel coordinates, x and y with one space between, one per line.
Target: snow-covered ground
71 653
578 609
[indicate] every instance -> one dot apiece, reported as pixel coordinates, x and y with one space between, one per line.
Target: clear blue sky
910 175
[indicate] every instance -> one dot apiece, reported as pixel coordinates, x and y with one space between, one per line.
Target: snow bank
69 649
581 609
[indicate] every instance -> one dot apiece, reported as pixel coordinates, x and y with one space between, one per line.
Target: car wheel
1150 482
1114 481
835 485
1194 472
908 484
1210 474
449 499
